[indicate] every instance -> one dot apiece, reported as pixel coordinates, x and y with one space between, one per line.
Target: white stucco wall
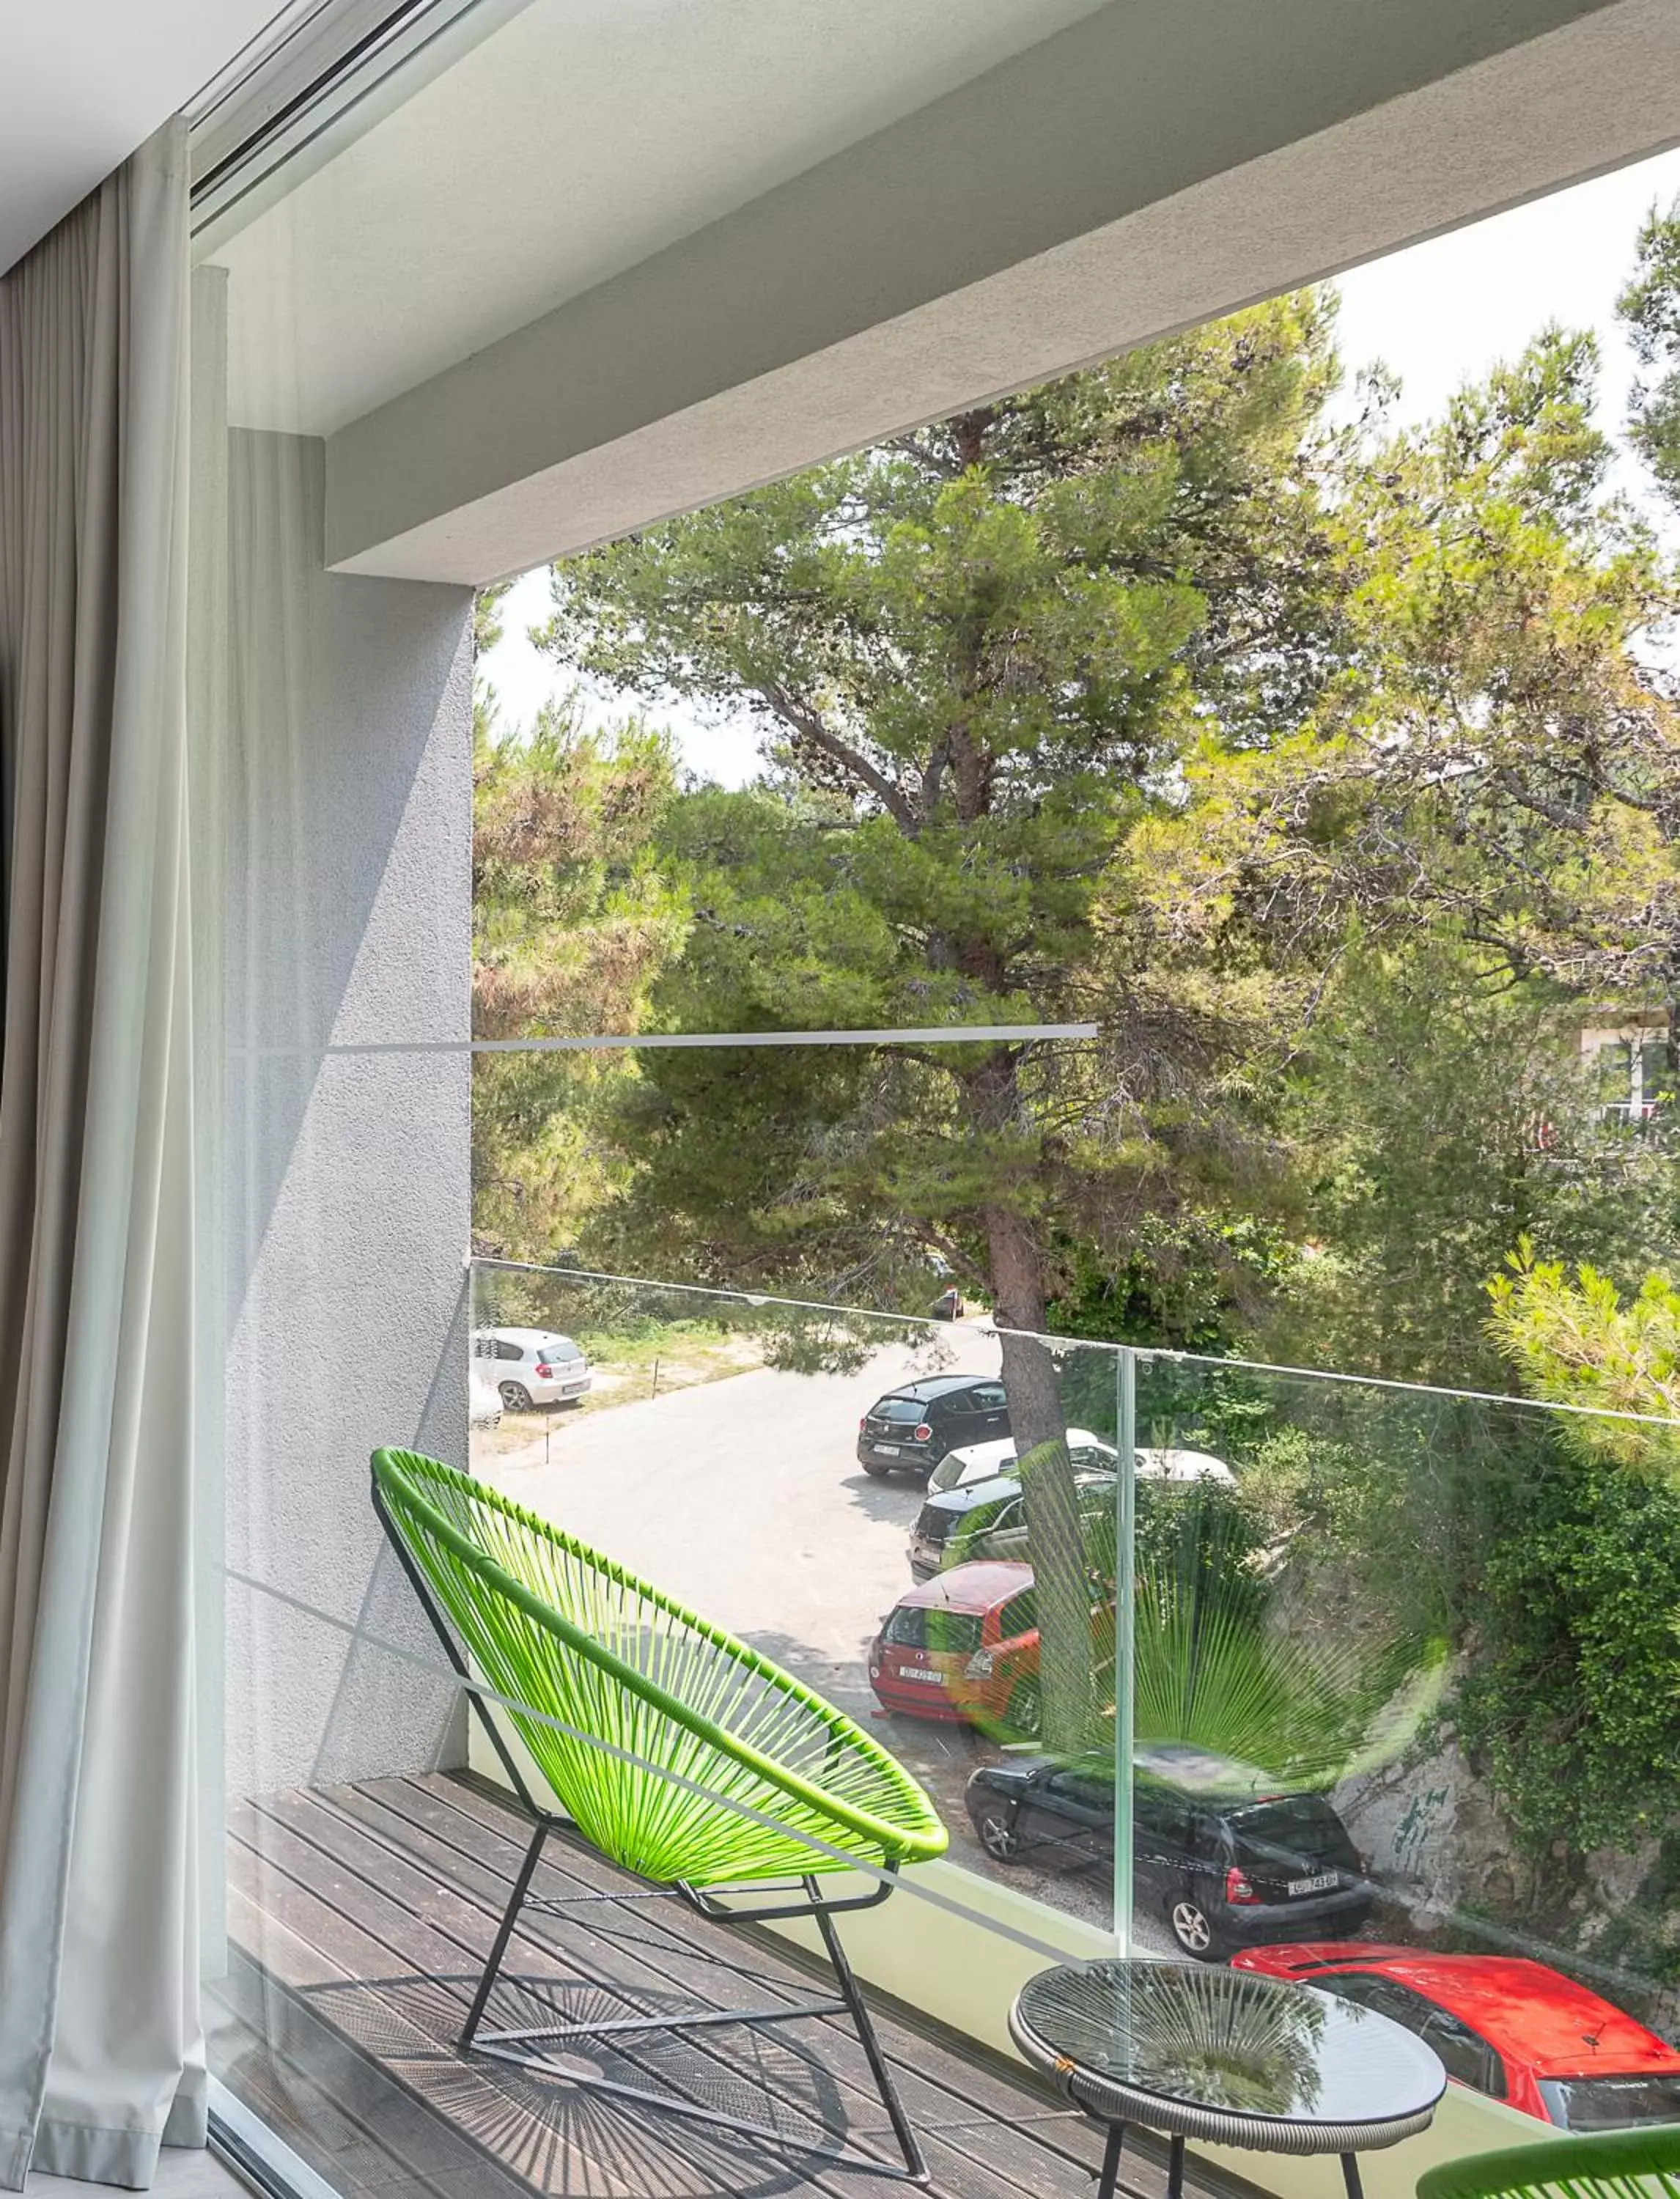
348 897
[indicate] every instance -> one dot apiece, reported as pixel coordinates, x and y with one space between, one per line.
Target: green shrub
1571 1696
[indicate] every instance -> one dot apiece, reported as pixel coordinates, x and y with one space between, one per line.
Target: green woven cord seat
553 1625
1629 2164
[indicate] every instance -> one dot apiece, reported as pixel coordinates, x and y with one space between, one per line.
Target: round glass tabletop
1232 2041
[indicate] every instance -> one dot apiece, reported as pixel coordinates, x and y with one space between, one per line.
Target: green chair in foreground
1628 2164
676 1752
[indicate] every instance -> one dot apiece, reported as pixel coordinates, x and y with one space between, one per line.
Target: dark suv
1226 1869
988 1520
911 1429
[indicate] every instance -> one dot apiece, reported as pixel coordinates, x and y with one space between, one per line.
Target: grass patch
674 1355
630 1365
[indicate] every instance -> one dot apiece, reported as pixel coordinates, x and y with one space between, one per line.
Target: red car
1502 2025
959 1646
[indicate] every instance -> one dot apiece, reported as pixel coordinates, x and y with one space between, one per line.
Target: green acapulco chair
679 1754
1625 2164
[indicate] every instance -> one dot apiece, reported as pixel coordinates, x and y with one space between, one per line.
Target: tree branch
952 1252
1526 797
806 725
925 454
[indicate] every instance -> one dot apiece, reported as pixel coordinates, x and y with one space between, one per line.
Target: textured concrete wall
348 892
1147 168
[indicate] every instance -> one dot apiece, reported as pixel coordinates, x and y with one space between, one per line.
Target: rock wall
1436 1844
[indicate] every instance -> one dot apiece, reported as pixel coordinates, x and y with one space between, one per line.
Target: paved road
745 1498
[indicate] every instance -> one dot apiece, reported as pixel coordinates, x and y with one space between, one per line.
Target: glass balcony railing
842 1490
1342 1680
1326 1679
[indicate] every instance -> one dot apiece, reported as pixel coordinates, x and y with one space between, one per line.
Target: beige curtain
101 2054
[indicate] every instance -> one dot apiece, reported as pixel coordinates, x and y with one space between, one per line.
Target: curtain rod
337 72
318 78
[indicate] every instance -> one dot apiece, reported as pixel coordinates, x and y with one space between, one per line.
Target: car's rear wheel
515 1397
872 1467
1192 1927
998 1834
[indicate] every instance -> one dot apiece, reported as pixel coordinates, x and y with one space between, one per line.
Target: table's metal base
1109 2180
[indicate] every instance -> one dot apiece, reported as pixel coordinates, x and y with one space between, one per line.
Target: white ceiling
84 82
573 142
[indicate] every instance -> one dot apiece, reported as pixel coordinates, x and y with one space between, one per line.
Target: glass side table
1226 2057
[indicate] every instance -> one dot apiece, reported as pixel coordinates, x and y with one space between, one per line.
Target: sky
1438 315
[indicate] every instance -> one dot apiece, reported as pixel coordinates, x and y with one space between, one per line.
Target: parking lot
745 1498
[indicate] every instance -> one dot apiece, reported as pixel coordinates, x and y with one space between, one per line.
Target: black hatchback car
1226 1869
911 1429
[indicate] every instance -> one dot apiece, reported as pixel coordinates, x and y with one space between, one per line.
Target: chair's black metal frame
533 2049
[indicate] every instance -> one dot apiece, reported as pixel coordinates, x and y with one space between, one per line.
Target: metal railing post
1125 1611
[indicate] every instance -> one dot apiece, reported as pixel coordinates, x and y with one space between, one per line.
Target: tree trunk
1039 1425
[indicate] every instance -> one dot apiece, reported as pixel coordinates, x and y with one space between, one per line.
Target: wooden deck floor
358 1918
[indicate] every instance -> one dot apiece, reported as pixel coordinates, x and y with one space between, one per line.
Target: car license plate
886 1450
1322 1883
914 1672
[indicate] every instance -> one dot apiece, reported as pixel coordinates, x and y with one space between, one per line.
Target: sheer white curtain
101 2056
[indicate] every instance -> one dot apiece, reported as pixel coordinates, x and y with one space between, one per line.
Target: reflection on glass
1215 1672
1215 2036
1309 1762
772 1465
1235 2048
1606 2104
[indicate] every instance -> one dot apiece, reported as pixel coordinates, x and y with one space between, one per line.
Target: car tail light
1238 1891
980 1665
545 1373
922 1434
